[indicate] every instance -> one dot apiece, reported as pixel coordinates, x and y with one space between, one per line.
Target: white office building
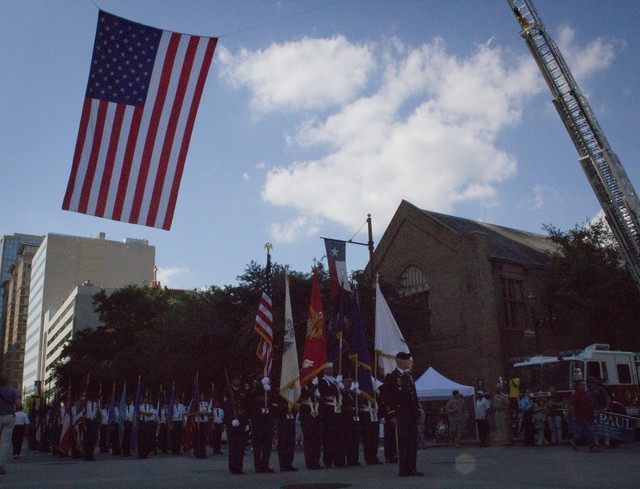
61 264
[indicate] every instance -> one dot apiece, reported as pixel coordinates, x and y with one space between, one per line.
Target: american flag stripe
264 323
129 157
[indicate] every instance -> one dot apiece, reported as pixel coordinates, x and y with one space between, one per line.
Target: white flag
389 340
290 376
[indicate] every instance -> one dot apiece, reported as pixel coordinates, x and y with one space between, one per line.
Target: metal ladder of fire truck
602 167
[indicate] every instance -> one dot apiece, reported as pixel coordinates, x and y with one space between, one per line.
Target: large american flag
264 323
144 88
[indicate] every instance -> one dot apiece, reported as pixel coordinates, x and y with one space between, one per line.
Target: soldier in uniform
262 413
311 423
90 428
201 428
163 431
217 415
129 418
351 421
330 408
104 427
234 404
286 420
147 419
176 423
370 429
399 392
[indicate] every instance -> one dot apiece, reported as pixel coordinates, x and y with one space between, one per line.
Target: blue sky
318 112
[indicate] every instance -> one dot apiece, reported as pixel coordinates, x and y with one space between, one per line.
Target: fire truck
618 370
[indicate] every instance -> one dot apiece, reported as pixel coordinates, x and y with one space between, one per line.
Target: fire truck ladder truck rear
602 167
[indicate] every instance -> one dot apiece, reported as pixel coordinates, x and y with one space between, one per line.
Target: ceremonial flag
264 323
336 257
389 340
315 346
360 355
172 401
337 342
122 407
65 428
142 97
290 374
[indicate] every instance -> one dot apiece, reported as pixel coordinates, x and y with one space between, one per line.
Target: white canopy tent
433 386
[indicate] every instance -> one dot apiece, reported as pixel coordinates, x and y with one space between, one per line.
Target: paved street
492 468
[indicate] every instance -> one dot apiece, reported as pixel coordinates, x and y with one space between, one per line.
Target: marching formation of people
337 420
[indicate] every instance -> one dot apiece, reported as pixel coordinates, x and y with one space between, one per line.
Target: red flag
141 102
315 346
264 323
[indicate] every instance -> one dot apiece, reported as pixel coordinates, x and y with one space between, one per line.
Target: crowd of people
338 424
332 422
543 419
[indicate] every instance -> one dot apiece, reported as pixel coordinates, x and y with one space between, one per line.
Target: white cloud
305 74
586 60
422 126
166 274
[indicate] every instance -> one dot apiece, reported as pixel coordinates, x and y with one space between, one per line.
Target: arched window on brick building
415 289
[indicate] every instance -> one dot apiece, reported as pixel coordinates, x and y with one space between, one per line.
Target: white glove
265 381
356 385
340 386
315 381
266 387
316 393
357 392
235 423
339 378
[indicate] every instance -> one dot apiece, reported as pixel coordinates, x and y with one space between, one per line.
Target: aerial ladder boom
600 164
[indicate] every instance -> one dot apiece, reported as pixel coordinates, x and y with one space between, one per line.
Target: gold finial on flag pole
268 247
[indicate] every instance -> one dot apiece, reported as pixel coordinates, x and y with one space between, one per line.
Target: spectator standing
555 409
500 407
482 408
526 407
601 402
22 421
9 402
582 416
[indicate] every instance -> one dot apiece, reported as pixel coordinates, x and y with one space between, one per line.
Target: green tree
589 287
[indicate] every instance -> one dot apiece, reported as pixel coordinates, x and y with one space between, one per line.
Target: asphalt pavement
510 467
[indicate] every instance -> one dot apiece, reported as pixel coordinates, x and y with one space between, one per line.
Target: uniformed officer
217 415
351 421
399 393
331 410
147 420
129 418
286 419
176 423
370 428
262 413
104 427
114 432
234 402
201 419
311 423
90 428
163 431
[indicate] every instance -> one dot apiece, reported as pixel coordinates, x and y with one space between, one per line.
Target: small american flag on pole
264 321
144 89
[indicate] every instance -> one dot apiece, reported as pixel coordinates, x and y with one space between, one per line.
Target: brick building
475 293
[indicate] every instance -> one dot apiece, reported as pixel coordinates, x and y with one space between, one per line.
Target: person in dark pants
370 429
176 423
19 428
526 406
201 428
147 422
330 409
129 418
234 404
90 429
262 413
217 415
482 409
351 422
286 436
311 423
399 392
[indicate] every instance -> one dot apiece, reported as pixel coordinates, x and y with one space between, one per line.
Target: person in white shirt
218 428
176 422
129 417
104 427
19 428
147 420
483 406
90 428
201 428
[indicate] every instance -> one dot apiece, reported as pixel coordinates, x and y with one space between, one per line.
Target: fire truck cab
618 370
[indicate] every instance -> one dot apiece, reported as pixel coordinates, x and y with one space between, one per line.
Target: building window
415 289
515 305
